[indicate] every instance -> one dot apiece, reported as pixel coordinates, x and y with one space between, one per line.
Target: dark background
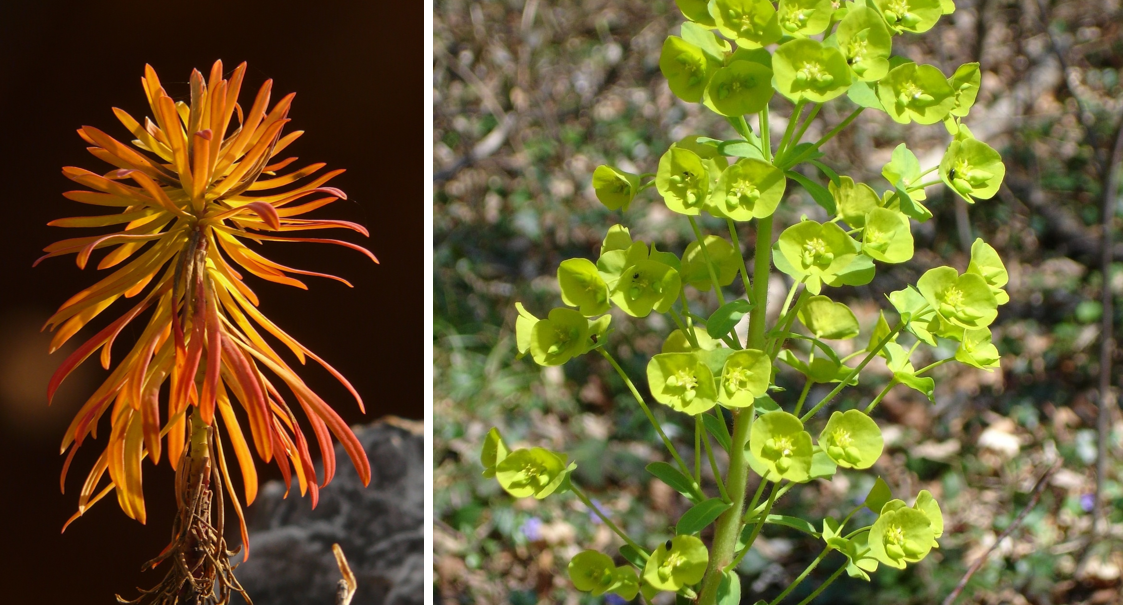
356 68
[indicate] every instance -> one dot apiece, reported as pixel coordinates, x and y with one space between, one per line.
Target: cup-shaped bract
977 349
864 40
559 338
803 18
746 376
645 286
900 536
750 188
918 93
780 447
696 10
532 472
807 69
966 84
750 23
615 188
724 257
583 287
525 325
493 452
852 439
887 237
915 16
963 300
682 382
676 564
853 201
814 253
743 87
687 68
594 571
972 169
683 180
986 262
926 504
677 341
616 238
828 320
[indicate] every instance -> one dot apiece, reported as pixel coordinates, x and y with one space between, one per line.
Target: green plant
705 364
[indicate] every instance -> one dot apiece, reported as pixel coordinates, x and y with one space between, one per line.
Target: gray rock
378 527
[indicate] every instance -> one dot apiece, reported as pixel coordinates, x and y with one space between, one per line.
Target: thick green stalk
727 527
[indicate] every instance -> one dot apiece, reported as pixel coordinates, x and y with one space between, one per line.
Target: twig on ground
345 589
1036 492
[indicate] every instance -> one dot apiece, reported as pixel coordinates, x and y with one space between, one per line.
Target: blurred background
66 64
529 97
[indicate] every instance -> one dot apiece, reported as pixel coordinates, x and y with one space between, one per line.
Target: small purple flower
594 516
531 529
1087 502
615 600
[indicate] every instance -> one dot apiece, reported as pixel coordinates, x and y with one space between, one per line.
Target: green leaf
878 496
696 10
687 68
672 476
853 201
493 452
559 338
677 341
532 472
723 320
730 590
617 237
615 188
740 88
633 556
583 287
822 466
987 263
701 515
828 172
682 382
765 405
790 522
706 40
965 83
882 328
718 429
903 167
819 193
745 377
852 439
828 320
920 384
863 95
807 69
679 562
682 180
909 205
741 148
751 24
780 448
926 504
748 189
646 286
724 257
525 323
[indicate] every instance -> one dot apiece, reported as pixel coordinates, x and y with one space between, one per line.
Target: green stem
805 125
933 365
879 397
742 270
707 258
646 186
648 413
820 142
612 526
688 333
727 526
757 529
774 345
804 394
926 185
922 174
801 577
854 372
793 119
698 451
764 129
824 585
711 459
740 126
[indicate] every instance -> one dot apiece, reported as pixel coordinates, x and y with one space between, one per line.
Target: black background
357 69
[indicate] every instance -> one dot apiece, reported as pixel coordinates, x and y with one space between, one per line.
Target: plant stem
804 394
820 142
933 365
854 372
689 334
727 526
922 174
711 458
652 419
805 125
698 451
879 397
707 258
764 128
612 526
793 119
757 529
824 585
801 577
742 268
740 126
774 345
